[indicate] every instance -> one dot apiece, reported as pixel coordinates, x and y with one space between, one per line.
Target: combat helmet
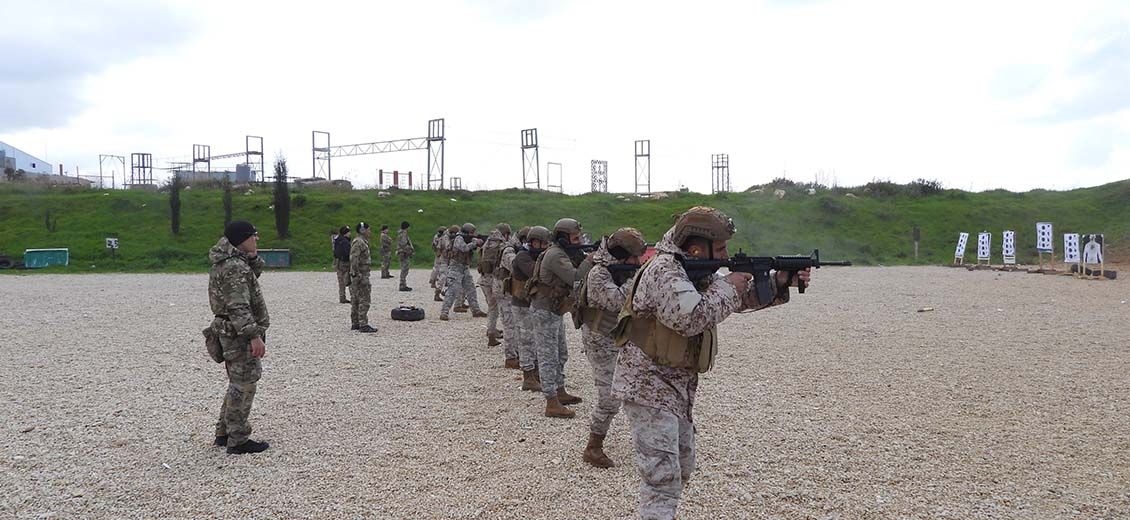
468 228
523 233
538 233
453 229
567 225
705 222
504 228
626 242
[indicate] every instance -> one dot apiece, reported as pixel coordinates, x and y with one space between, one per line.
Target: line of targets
1090 254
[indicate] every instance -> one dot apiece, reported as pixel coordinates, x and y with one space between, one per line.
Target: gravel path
1007 401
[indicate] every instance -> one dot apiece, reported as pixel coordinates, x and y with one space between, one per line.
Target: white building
16 159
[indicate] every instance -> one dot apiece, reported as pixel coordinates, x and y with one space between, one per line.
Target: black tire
5 262
408 314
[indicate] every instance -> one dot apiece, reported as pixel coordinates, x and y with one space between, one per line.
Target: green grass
866 230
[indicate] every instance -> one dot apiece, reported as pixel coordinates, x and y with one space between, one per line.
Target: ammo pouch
663 345
212 343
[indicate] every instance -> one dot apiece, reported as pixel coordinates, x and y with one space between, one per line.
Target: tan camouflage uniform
658 399
440 263
341 267
386 254
460 283
521 268
505 306
240 315
486 282
360 264
404 251
443 261
604 294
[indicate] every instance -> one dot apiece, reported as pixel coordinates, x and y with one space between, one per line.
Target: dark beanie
343 230
238 231
404 225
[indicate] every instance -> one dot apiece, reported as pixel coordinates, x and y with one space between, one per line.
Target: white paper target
1008 247
1044 237
1093 249
1071 248
984 241
962 239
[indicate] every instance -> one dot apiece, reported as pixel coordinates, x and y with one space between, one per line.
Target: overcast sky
979 95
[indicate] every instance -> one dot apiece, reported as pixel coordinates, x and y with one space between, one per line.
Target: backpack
341 248
490 257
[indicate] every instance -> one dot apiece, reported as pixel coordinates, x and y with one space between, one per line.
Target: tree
282 199
227 201
175 186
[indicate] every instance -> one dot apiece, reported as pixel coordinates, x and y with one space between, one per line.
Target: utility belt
560 298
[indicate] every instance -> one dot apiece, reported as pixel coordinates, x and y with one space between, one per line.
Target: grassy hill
875 227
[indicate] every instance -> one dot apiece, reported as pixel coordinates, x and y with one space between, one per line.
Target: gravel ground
1009 400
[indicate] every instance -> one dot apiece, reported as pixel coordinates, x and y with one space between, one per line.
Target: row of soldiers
648 332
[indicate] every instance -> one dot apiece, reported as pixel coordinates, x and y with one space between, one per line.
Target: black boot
405 288
354 327
221 440
249 446
366 329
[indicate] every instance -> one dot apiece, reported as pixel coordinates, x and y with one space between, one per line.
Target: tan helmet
503 228
567 225
523 233
630 239
441 229
453 229
538 233
705 222
468 228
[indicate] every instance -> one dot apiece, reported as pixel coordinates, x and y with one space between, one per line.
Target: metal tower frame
456 183
102 159
720 173
202 153
599 176
549 168
530 161
322 153
643 165
141 169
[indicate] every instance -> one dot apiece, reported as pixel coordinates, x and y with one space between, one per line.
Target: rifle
759 267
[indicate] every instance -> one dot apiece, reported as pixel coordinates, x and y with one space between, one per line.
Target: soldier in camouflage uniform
360 264
241 322
599 300
444 260
437 262
521 268
341 262
404 251
505 298
668 333
551 296
489 259
460 283
386 253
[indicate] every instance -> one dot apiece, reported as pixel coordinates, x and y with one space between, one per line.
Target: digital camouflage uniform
360 264
443 260
555 276
386 254
437 251
486 282
404 251
240 316
603 294
510 341
521 268
460 283
658 399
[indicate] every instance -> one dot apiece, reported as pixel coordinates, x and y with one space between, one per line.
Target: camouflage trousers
439 267
243 372
362 291
664 458
547 331
460 285
405 261
506 312
486 283
601 353
520 335
342 269
386 260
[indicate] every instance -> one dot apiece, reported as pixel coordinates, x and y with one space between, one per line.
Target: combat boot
354 327
594 452
437 297
221 440
553 408
530 381
492 340
405 288
248 446
512 363
461 308
366 329
443 317
343 300
566 398
478 314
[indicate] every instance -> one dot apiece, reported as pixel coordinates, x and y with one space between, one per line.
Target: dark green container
36 258
275 257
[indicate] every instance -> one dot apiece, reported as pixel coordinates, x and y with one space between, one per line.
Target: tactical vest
663 345
598 320
460 257
560 298
490 257
514 286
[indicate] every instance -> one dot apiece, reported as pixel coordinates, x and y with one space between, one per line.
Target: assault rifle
759 267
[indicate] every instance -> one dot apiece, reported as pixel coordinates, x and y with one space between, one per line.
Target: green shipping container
275 257
35 258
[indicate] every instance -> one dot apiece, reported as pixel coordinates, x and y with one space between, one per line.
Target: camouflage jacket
360 258
601 290
404 244
386 244
462 251
505 263
234 293
435 243
667 293
555 277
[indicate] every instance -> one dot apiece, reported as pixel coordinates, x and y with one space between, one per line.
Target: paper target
962 239
1008 247
984 242
1044 237
1093 251
1071 248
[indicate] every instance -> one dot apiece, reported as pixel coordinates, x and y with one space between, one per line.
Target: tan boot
530 381
461 308
594 452
512 363
553 408
566 398
478 314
